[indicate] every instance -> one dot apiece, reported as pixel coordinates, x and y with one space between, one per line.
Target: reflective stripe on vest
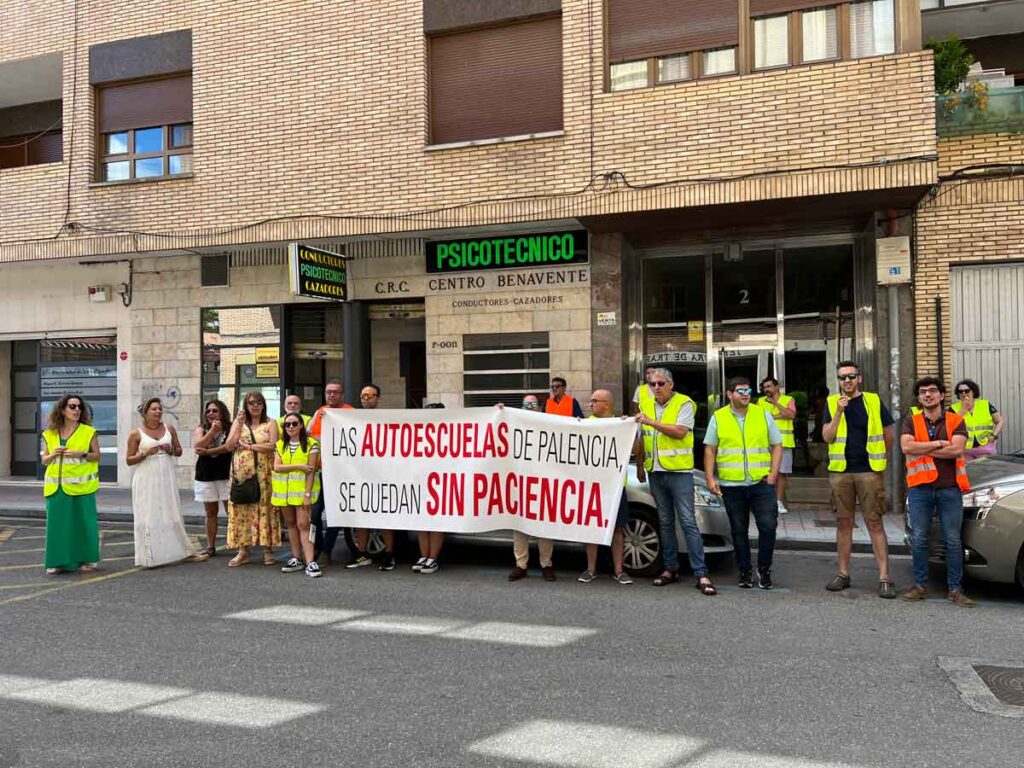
746 451
877 457
979 422
673 455
563 408
921 470
78 476
289 488
785 425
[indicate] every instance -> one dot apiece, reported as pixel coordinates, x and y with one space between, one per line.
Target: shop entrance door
755 364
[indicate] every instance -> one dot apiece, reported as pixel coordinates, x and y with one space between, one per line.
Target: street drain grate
995 687
1006 683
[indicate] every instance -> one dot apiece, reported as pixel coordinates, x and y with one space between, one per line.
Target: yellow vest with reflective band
746 451
76 477
673 455
289 488
785 425
979 422
877 457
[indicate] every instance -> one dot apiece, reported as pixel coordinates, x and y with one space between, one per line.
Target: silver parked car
642 544
993 530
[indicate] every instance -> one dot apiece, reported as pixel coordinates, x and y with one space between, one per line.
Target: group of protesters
266 472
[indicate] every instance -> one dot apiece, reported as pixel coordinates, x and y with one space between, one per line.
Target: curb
791 545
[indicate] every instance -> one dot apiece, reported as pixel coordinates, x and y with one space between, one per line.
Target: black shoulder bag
247 491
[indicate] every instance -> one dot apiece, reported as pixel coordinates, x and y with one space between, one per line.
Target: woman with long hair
983 420
296 487
213 466
160 536
252 440
71 455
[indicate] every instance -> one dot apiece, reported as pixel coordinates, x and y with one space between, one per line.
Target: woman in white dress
160 536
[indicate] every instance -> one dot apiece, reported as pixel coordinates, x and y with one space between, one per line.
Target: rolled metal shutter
639 29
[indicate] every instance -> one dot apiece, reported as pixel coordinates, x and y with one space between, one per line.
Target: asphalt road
199 664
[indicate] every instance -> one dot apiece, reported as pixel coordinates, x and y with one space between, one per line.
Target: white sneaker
782 509
430 566
418 565
313 570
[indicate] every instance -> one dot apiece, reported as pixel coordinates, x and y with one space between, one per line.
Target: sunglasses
74 406
558 386
530 405
213 410
963 392
291 424
254 402
848 376
659 383
743 390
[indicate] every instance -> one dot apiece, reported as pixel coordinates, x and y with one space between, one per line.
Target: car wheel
374 545
641 547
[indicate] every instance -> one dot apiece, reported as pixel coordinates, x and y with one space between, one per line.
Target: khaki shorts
849 487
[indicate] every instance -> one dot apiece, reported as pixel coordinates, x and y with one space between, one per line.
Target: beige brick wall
319 107
966 221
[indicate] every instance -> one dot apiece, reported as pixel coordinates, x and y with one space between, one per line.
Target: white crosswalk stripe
95 695
500 632
232 709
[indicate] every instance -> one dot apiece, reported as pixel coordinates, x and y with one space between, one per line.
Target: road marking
233 709
6 533
533 635
69 585
585 745
94 695
43 549
38 565
117 696
402 625
728 758
298 614
26 586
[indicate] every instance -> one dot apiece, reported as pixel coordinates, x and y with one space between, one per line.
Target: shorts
623 518
212 490
786 467
850 487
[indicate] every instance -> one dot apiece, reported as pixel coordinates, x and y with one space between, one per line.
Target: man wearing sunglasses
324 540
746 444
858 430
561 404
665 455
531 403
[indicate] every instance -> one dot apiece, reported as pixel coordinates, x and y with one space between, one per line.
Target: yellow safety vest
746 451
289 488
644 394
877 457
76 477
978 422
673 455
785 425
280 422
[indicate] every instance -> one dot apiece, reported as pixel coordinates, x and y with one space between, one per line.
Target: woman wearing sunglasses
212 485
296 488
983 420
252 440
71 455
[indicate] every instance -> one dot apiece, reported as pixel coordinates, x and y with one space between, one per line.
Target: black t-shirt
857 433
937 431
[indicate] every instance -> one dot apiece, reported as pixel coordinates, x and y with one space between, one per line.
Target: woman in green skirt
71 455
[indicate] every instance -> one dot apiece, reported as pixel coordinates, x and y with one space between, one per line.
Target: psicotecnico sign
519 251
316 273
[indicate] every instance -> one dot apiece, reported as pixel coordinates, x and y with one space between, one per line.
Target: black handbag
246 491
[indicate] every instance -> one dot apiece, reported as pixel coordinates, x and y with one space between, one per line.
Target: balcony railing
1001 110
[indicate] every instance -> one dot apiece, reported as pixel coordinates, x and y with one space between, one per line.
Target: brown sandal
240 559
268 557
706 587
665 578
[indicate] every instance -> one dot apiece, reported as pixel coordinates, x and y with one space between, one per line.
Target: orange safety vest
921 470
563 408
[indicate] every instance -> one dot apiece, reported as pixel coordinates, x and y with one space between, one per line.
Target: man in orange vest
933 442
560 403
325 539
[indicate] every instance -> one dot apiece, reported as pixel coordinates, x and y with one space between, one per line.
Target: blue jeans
673 493
325 538
925 502
740 501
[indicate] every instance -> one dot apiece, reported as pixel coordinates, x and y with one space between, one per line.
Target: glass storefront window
242 353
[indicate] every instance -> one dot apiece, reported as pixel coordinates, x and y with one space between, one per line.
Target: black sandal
666 578
706 588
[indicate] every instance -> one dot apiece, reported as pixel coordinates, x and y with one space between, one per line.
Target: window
629 75
674 68
496 81
872 28
502 367
147 153
720 62
771 42
19 151
242 353
146 129
820 39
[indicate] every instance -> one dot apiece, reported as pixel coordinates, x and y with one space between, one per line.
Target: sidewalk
813 529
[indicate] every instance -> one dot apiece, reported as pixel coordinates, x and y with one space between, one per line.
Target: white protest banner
475 469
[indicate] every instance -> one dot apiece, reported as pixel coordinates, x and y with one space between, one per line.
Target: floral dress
254 524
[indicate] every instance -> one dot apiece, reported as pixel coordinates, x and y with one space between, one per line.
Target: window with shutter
872 28
496 82
145 129
771 42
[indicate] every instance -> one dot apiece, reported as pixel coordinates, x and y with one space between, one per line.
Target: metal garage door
987 308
